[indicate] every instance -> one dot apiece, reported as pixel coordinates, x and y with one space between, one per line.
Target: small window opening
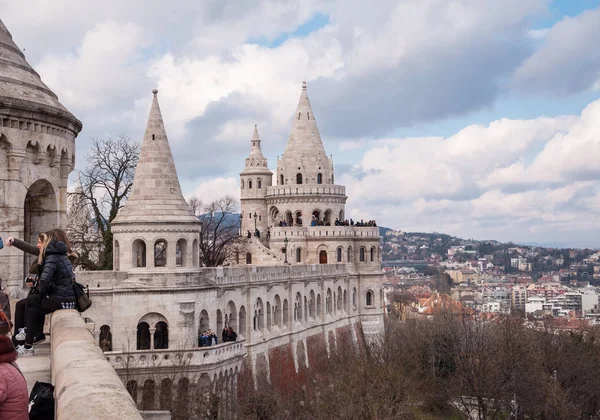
299 115
259 184
152 136
249 185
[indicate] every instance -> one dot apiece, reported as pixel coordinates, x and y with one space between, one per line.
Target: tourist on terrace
32 283
13 387
232 336
203 339
211 336
55 287
224 335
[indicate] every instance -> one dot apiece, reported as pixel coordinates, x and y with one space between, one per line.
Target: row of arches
160 253
295 218
363 255
300 179
249 183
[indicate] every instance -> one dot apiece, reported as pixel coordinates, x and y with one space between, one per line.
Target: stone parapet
296 190
323 232
86 385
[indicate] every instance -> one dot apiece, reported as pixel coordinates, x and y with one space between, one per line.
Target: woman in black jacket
32 282
55 287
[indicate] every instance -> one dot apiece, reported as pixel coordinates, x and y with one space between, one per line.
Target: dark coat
56 278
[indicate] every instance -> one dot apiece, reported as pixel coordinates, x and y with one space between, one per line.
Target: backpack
41 401
5 324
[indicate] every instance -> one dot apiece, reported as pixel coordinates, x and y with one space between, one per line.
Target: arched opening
148 395
131 387
160 253
311 304
274 214
242 184
372 253
242 320
298 255
361 254
250 184
345 301
319 178
219 321
289 221
116 256
338 255
259 315
248 258
203 324
319 309
298 178
231 316
278 312
369 298
161 335
328 302
281 179
40 215
143 336
105 339
298 308
166 394
298 218
195 253
286 313
340 295
323 257
269 316
327 219
181 253
349 257
341 216
139 253
259 183
316 218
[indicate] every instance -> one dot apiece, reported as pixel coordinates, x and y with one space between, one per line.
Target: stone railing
238 275
323 189
86 385
136 359
279 232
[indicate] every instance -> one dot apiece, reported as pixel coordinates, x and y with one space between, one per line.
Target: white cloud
215 188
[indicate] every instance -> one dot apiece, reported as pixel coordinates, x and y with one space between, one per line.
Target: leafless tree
105 185
219 237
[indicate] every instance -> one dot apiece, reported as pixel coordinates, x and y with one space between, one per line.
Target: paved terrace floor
36 367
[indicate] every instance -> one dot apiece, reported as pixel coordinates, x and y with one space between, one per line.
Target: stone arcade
298 291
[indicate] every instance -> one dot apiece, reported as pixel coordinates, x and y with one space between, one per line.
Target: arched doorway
40 215
143 336
105 339
323 257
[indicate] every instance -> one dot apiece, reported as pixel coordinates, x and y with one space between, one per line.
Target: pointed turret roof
304 140
156 194
255 160
22 91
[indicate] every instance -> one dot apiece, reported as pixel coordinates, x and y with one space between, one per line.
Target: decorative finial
155 91
304 85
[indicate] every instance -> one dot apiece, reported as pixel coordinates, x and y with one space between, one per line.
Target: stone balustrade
86 385
280 232
294 190
152 359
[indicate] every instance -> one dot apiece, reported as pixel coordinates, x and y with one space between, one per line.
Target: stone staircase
268 255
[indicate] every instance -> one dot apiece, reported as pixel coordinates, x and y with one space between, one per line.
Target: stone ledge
86 385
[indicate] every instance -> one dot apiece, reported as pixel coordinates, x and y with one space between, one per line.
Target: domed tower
156 227
254 180
37 149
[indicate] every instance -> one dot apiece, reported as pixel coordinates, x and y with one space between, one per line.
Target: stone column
152 331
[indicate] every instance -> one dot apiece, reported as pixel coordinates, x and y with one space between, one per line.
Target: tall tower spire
156 194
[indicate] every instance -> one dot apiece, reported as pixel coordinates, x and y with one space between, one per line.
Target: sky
475 118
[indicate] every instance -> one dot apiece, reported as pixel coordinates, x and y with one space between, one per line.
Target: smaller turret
254 180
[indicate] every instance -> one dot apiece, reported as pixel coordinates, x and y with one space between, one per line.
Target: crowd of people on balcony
362 223
209 338
319 222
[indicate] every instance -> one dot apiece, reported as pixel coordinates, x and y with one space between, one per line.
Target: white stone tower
37 149
254 180
156 227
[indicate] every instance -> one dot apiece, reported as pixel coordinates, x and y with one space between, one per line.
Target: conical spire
305 138
156 194
256 159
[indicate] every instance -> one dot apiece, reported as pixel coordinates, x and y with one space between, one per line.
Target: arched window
298 255
242 320
286 313
281 179
362 254
242 184
139 253
298 178
372 253
319 178
323 257
248 258
161 335
105 339
160 253
143 336
369 297
349 254
148 393
166 394
250 184
339 255
259 184
181 253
